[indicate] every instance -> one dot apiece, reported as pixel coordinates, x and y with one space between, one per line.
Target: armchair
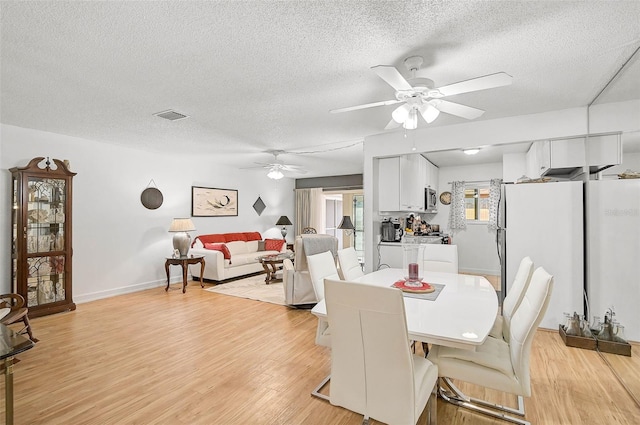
298 288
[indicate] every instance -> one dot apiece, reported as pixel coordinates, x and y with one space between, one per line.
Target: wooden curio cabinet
41 235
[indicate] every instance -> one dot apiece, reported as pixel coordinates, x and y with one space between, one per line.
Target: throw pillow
220 247
261 246
273 244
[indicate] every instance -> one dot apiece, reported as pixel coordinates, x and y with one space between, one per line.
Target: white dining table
461 316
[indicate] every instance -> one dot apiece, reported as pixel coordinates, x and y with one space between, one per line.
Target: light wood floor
203 358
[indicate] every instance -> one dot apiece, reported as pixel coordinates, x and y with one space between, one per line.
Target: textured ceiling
260 75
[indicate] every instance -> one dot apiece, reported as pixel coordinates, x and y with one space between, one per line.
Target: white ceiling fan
419 96
277 168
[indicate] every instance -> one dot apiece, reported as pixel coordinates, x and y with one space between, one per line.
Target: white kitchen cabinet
389 184
432 176
604 151
566 157
401 183
391 254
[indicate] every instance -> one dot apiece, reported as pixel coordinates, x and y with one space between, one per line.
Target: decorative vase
411 265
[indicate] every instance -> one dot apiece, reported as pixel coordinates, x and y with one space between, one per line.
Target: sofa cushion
219 247
273 244
252 246
237 247
253 236
233 237
260 245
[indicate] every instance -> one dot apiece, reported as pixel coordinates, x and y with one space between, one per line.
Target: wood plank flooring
153 357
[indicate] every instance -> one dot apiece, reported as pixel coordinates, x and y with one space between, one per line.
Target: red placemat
424 289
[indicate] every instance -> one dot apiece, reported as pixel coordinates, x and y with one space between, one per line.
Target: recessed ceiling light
471 151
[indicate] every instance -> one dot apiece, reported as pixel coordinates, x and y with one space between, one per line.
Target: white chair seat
496 329
497 372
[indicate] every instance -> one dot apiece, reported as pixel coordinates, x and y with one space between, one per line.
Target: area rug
253 288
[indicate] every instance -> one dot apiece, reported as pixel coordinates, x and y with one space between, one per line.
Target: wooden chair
18 312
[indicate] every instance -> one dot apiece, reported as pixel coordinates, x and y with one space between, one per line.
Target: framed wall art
213 202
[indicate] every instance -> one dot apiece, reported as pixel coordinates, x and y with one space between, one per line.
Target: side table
184 263
11 344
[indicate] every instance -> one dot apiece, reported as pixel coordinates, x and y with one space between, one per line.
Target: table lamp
181 239
347 224
284 221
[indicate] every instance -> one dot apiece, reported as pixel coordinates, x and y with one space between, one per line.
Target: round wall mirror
151 198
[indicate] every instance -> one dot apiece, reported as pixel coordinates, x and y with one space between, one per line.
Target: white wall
622 116
119 246
476 244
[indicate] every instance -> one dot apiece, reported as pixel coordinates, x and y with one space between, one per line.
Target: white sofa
244 250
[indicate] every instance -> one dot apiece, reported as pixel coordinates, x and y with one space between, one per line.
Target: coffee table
273 263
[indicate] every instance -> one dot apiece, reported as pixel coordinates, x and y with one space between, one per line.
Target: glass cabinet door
45 236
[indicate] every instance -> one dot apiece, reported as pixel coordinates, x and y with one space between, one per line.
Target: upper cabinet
401 183
432 176
565 158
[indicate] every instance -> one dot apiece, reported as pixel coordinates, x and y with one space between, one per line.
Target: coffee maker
391 230
398 230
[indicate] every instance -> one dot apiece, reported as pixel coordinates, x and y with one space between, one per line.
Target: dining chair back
321 267
13 309
373 371
498 364
350 267
513 299
438 258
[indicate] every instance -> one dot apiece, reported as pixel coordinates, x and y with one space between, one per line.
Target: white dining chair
350 267
498 364
513 299
438 258
373 371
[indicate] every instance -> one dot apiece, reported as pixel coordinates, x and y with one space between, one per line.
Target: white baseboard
480 271
93 296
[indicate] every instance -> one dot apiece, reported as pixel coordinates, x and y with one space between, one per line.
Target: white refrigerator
545 222
614 251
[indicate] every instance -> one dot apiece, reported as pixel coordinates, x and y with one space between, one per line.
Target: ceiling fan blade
367 105
391 75
392 124
294 169
457 109
481 83
429 112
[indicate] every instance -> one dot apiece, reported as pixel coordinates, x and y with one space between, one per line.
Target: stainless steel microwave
430 200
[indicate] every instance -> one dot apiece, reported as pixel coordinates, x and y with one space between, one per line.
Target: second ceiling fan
419 96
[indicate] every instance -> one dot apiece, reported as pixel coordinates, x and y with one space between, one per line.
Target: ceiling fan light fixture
401 113
275 173
411 123
429 112
471 151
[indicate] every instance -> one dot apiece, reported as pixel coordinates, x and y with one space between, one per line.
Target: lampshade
275 173
346 223
181 239
283 221
182 225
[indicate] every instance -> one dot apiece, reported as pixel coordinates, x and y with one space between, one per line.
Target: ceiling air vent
171 115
